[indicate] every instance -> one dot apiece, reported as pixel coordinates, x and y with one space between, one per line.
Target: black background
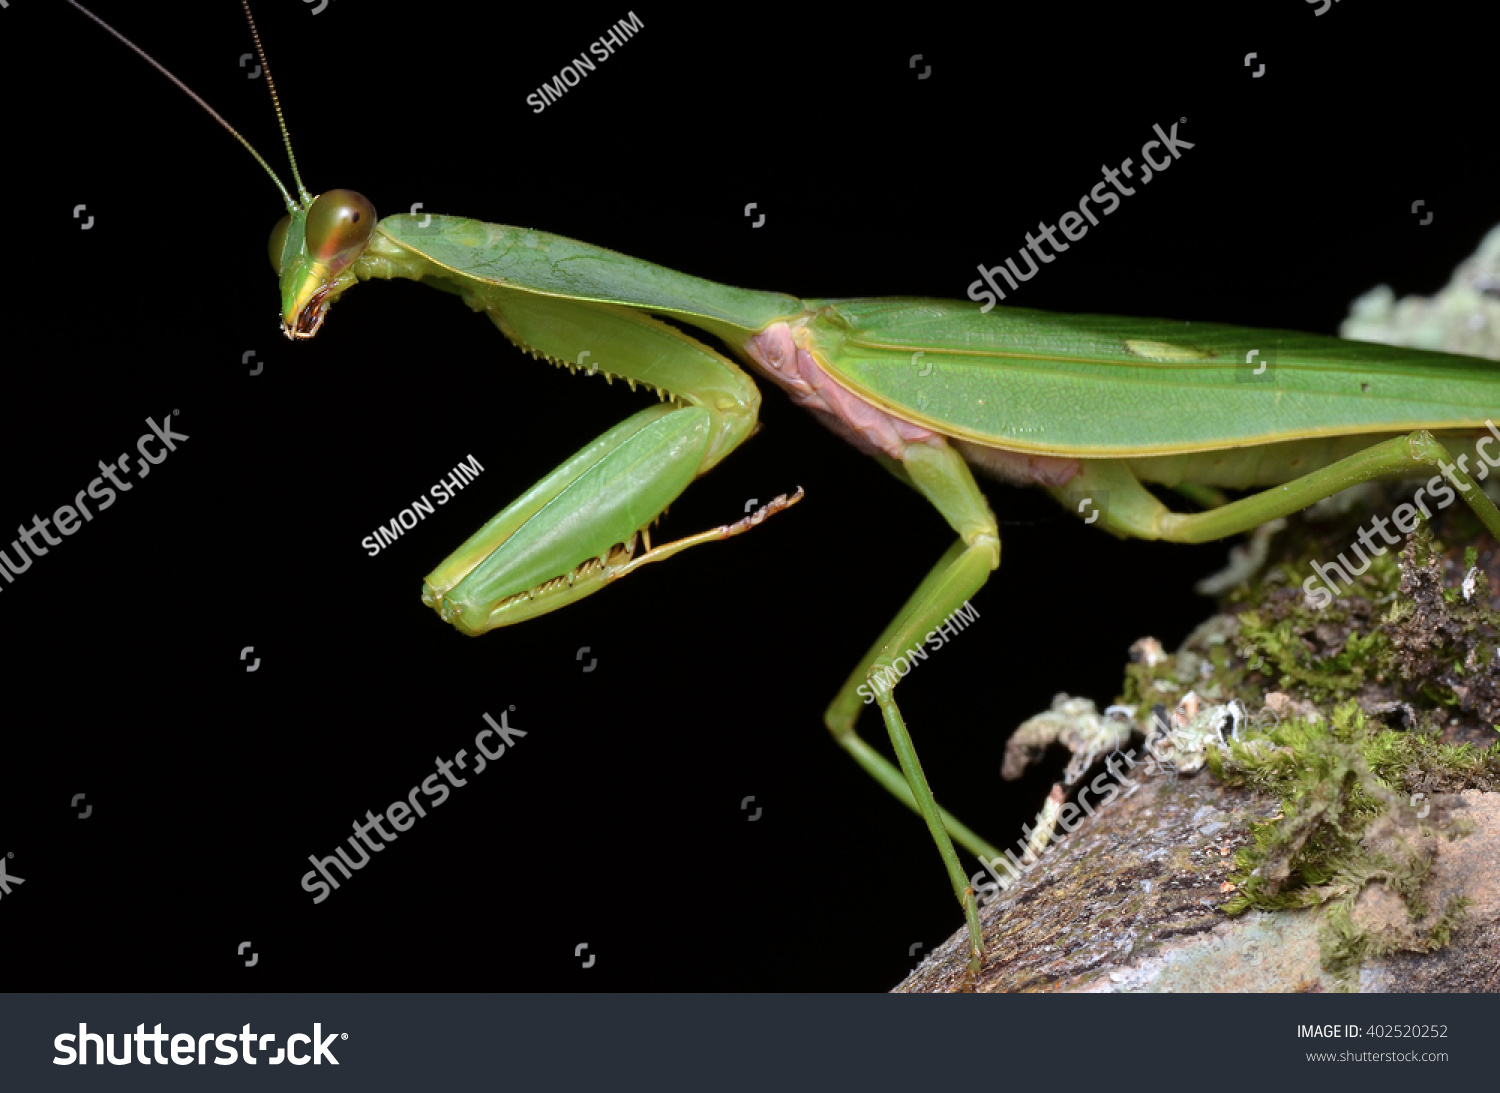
617 820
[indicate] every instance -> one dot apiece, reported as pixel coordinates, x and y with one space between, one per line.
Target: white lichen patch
1180 743
1463 318
1077 725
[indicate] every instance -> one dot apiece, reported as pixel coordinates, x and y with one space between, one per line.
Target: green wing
1093 385
552 265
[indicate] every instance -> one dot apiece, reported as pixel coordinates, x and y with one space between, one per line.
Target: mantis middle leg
940 474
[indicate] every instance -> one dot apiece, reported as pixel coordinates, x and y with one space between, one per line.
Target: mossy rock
1346 841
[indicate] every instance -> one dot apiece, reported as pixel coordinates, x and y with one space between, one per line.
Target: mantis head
314 248
315 245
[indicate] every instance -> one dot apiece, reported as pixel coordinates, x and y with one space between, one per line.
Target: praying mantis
932 389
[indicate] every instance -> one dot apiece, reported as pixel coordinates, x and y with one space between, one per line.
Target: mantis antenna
190 93
286 137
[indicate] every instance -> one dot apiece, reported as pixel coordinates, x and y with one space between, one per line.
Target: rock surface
1130 902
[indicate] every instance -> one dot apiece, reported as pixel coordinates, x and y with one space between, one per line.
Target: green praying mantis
1092 409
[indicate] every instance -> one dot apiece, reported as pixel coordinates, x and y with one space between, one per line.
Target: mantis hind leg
1128 508
941 475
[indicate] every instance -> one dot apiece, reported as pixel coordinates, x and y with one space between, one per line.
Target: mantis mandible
1086 407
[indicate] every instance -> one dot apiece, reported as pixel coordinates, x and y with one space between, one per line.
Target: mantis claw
770 508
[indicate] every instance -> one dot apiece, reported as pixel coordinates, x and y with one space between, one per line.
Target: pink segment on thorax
872 429
865 425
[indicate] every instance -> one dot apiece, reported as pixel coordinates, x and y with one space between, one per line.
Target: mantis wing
1094 385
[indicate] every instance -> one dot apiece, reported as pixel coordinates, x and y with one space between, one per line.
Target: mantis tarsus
988 393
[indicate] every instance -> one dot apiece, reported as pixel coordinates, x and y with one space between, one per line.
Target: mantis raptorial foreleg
940 475
558 541
1133 510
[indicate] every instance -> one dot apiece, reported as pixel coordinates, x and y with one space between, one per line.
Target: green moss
1327 792
1403 627
1389 698
1322 545
1347 822
1147 683
1295 663
1345 945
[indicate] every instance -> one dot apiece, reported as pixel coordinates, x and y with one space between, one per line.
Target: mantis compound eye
278 240
339 224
